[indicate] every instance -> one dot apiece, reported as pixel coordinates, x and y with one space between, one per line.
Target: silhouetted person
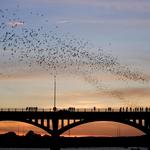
94 108
109 109
146 109
130 109
120 109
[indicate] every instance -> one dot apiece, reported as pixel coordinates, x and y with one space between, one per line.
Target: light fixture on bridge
54 108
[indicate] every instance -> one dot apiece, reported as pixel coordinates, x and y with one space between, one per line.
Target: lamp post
54 108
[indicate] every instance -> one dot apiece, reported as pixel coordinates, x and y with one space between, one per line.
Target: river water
100 148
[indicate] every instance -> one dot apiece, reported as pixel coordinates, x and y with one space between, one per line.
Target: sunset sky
121 28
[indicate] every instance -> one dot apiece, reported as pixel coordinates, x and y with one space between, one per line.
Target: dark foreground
32 140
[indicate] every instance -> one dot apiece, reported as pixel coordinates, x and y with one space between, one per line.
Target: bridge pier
55 135
55 127
148 141
55 143
48 123
62 123
55 148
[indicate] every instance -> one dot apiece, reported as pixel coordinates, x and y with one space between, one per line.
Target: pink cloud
128 5
15 23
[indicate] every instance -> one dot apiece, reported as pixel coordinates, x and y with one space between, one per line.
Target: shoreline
11 140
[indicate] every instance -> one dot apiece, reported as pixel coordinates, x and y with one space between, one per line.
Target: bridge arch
49 131
84 121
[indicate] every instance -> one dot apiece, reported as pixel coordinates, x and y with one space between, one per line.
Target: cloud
64 21
142 92
109 22
86 21
128 5
105 12
133 96
15 23
118 97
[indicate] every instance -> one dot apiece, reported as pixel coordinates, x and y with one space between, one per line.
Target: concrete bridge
57 121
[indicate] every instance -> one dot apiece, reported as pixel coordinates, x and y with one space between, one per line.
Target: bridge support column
55 127
55 135
42 122
48 123
140 122
36 120
148 140
62 123
55 143
55 148
68 121
146 123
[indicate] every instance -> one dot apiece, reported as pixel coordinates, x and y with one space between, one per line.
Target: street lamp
54 108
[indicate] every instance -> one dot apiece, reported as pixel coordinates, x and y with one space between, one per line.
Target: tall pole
54 91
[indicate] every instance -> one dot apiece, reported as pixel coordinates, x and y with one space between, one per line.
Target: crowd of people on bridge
125 109
73 109
94 109
136 109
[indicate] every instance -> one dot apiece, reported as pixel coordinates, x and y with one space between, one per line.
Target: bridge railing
72 109
25 110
